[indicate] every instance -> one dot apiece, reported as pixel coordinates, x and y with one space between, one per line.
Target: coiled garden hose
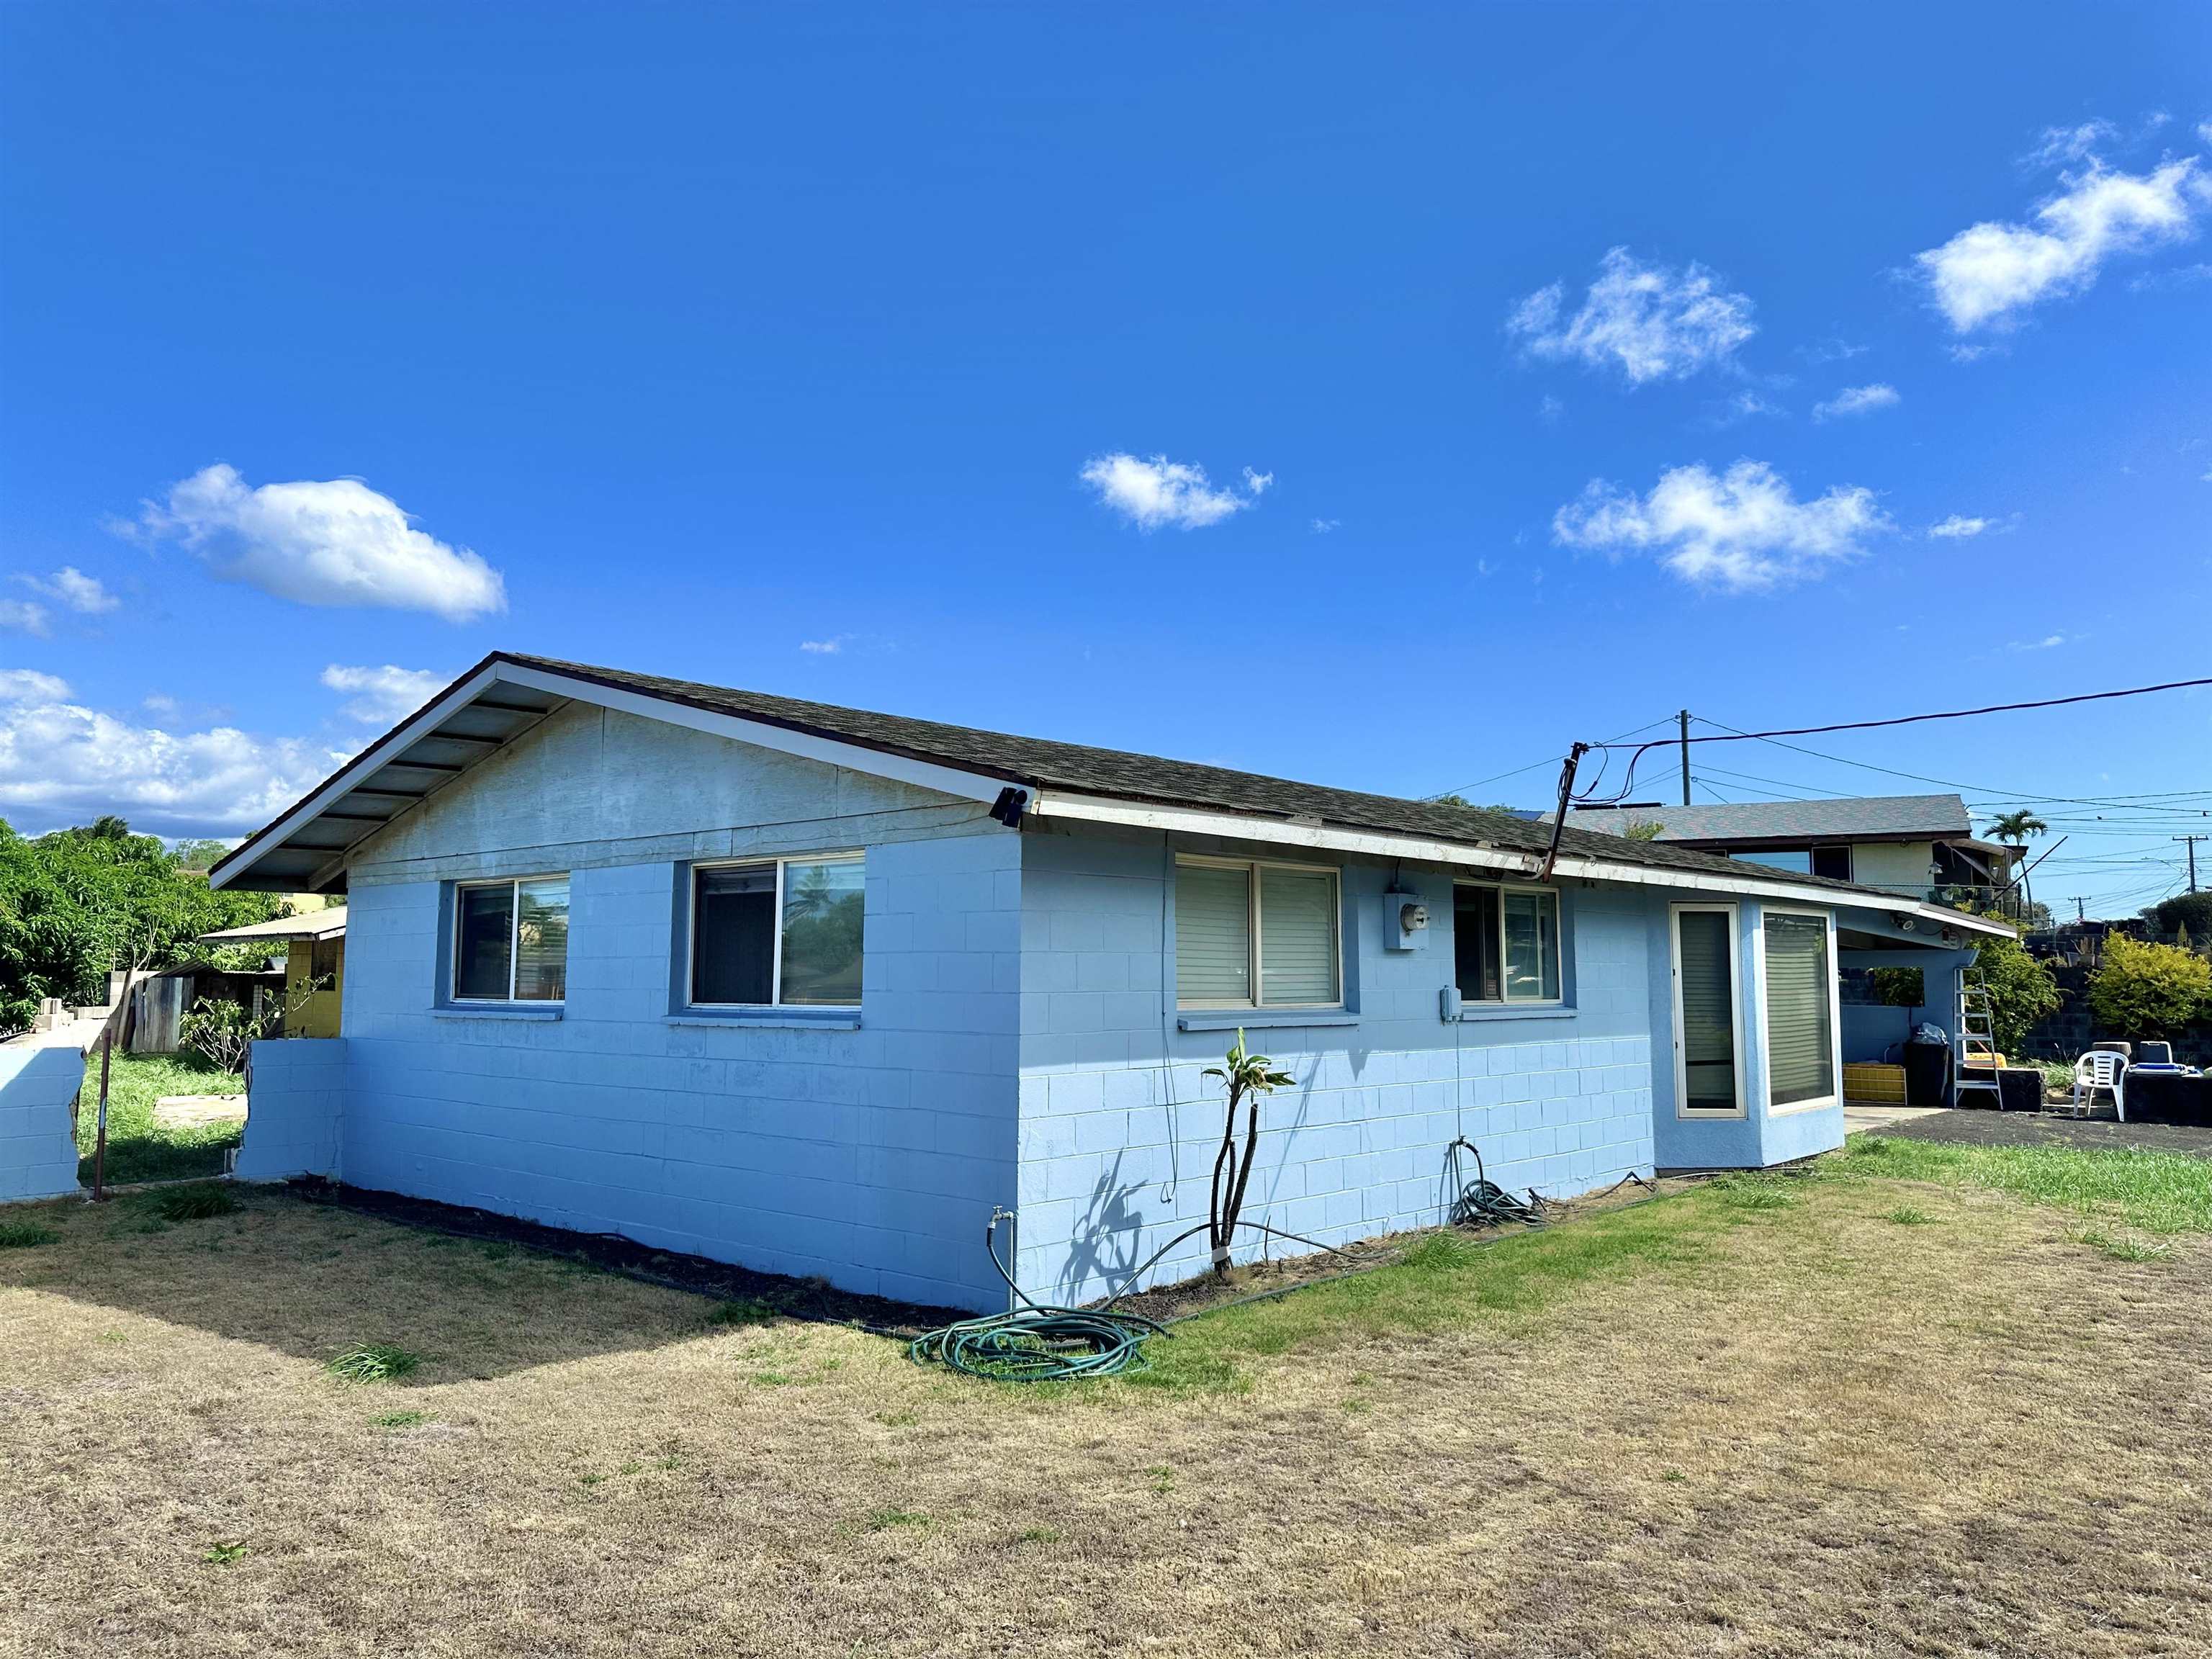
1043 1342
1482 1202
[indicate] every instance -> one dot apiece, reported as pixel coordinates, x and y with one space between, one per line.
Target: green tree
2145 990
2013 829
2189 911
78 902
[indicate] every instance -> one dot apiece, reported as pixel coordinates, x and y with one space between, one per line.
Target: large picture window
511 940
1801 991
1256 935
1505 944
784 932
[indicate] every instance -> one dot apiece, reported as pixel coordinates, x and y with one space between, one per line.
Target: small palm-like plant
1247 1077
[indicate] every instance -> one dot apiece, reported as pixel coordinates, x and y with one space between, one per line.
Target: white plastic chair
2102 1070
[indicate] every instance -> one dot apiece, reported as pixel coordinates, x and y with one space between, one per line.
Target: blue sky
1257 385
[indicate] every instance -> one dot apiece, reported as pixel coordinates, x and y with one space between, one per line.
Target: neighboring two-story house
1917 846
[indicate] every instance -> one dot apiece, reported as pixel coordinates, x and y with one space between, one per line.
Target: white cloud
1550 410
1744 406
1322 526
2205 131
22 617
2048 642
1740 530
829 648
1834 349
2062 145
332 543
1149 493
29 685
1650 322
384 695
61 762
1959 525
1988 273
1857 400
70 587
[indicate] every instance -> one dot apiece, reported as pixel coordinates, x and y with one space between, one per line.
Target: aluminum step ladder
1977 1043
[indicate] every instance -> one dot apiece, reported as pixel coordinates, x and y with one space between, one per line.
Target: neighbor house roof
314 924
1859 817
509 692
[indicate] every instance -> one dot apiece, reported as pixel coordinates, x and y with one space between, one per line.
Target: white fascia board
1198 821
852 756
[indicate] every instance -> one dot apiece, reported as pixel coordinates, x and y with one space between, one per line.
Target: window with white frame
511 940
1801 993
1255 934
1505 944
778 933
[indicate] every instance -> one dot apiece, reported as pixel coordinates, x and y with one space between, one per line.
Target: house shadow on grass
312 1270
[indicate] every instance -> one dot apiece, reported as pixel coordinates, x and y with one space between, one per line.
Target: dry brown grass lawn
1781 1425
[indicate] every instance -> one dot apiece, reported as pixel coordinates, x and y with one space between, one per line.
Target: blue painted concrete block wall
870 1157
1118 1129
37 1150
296 1094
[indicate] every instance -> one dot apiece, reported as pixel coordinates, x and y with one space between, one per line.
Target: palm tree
2013 829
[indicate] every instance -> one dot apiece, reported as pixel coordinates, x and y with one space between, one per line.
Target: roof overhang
1494 860
318 924
495 702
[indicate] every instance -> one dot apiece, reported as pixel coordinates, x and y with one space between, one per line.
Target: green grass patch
227 1553
2159 1193
1906 1216
400 1419
885 1520
138 1149
373 1362
743 1310
1037 1535
198 1202
2126 1247
25 1235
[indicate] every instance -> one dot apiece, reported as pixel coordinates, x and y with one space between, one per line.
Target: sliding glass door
1708 1037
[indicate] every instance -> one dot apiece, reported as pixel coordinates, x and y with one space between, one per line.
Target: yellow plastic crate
1875 1083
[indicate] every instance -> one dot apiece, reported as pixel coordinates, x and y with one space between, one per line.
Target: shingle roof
1934 816
1042 763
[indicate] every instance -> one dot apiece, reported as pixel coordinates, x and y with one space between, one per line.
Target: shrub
25 1235
2189 912
2142 990
2021 991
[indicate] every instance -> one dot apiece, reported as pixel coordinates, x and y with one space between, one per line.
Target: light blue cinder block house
815 990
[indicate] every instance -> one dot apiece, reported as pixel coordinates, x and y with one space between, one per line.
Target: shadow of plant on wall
1109 1233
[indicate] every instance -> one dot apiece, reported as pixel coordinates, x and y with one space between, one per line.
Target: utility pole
1684 718
2192 841
2080 915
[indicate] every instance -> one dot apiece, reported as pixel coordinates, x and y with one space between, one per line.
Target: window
1800 988
511 940
1505 944
1252 935
1833 862
1708 1072
1796 859
784 932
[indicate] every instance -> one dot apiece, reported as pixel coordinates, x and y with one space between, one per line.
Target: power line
1547 761
1946 715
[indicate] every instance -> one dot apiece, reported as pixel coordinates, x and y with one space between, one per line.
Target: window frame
1558 934
1252 868
513 885
1834 1097
777 861
1683 1110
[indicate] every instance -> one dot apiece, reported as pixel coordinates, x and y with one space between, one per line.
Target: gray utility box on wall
1405 921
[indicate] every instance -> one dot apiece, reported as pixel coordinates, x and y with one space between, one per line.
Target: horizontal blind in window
1799 1051
1708 1012
1213 935
541 939
1297 938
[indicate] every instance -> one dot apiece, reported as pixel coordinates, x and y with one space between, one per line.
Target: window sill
1260 1019
1477 1013
773 1019
1826 1103
492 1010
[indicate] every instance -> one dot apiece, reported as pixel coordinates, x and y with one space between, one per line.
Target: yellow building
314 965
